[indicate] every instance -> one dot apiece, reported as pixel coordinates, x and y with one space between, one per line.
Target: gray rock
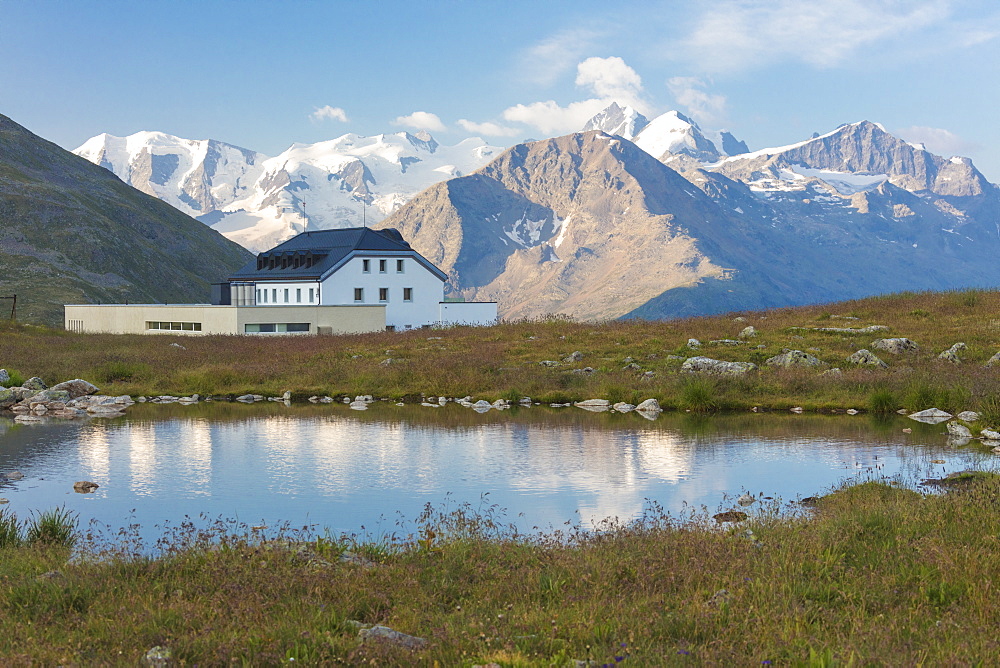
387 634
951 355
85 486
993 361
36 384
968 416
694 344
867 358
793 358
649 406
594 405
46 396
574 356
623 407
726 342
76 387
8 398
958 430
358 405
158 656
748 332
870 329
549 363
631 366
930 416
482 403
896 346
835 371
990 435
4 377
720 367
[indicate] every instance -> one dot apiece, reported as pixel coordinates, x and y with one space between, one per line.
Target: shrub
882 401
120 371
698 395
16 378
53 527
10 530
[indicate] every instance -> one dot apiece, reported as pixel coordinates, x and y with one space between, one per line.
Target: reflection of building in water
194 446
141 440
94 450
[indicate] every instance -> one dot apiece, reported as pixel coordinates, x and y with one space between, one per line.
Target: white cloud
705 107
489 129
937 140
552 119
328 113
610 78
733 35
543 63
421 120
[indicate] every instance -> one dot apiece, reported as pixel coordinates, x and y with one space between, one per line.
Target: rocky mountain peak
674 134
617 120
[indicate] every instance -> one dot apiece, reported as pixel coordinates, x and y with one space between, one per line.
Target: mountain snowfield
260 201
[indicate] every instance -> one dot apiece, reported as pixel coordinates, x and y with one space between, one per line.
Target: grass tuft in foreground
875 574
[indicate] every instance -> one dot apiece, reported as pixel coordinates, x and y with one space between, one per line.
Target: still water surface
359 472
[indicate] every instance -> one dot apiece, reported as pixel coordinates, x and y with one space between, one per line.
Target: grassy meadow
874 575
503 361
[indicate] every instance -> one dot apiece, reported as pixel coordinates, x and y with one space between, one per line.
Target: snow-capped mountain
259 201
616 120
591 226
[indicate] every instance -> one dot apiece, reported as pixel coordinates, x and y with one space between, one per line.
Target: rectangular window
286 295
366 266
383 294
407 294
311 295
359 294
275 327
381 266
298 295
259 298
174 326
274 295
399 266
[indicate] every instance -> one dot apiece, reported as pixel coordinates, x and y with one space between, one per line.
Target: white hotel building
322 282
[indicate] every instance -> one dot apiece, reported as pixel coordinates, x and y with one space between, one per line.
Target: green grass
875 575
503 361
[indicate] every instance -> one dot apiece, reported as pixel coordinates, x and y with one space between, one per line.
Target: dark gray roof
313 255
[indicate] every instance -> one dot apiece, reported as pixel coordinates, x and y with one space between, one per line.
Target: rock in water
85 486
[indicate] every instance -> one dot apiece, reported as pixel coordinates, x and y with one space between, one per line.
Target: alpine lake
370 473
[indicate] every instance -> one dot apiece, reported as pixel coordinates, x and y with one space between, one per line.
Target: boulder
951 355
835 371
958 430
865 357
968 416
85 486
46 396
719 367
7 398
4 377
748 332
549 363
990 435
695 344
993 361
930 416
574 356
793 358
649 406
356 405
36 384
726 342
623 407
594 405
76 387
896 346
386 634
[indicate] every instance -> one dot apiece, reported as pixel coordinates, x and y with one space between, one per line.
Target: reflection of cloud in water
142 457
194 445
94 453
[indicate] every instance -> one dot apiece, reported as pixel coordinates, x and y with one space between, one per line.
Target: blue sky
265 75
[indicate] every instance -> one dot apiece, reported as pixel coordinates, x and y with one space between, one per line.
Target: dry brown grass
503 361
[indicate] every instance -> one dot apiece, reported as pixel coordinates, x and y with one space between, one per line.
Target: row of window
181 326
283 296
366 266
275 327
383 294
